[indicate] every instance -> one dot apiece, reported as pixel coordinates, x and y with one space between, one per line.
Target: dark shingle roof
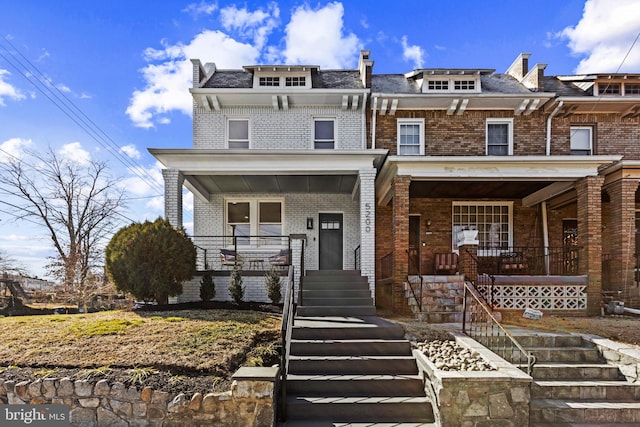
491 83
332 79
562 88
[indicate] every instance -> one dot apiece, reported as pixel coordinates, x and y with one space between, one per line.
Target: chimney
520 67
534 79
202 73
365 66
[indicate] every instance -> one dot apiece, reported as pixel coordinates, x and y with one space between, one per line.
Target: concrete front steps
336 293
441 298
351 369
574 386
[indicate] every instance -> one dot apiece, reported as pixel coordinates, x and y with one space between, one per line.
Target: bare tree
8 263
75 202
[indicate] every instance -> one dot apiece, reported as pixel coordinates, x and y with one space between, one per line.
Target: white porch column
368 226
173 180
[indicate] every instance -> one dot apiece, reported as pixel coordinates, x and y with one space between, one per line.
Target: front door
330 241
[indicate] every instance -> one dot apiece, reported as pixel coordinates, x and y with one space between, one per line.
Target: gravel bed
450 356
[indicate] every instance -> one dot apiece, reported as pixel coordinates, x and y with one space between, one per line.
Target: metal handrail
285 330
479 323
356 258
413 292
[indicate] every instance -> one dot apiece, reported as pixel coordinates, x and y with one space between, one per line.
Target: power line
44 85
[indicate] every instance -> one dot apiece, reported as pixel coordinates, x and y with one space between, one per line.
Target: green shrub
236 290
207 287
273 284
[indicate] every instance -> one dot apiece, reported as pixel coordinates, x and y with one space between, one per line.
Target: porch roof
208 172
534 178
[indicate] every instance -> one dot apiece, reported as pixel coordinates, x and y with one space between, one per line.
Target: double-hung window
493 220
324 134
410 137
581 140
238 133
259 218
499 137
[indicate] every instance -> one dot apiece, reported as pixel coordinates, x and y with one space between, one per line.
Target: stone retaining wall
250 402
625 356
477 398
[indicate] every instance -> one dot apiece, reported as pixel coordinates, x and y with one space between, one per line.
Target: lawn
176 351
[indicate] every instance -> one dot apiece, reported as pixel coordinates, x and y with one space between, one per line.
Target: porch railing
412 261
529 260
386 267
288 315
356 258
479 323
249 252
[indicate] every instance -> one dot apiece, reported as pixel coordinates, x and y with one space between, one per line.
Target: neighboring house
278 151
531 162
546 169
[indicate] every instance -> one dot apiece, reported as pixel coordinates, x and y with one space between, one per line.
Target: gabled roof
490 83
243 79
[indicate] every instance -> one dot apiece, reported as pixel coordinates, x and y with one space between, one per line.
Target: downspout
558 107
545 236
373 123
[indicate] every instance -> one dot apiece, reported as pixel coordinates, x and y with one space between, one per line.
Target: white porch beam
453 107
546 193
285 102
345 102
631 112
521 107
383 106
462 107
197 189
354 102
532 106
274 102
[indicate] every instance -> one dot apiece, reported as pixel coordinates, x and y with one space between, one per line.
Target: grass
181 341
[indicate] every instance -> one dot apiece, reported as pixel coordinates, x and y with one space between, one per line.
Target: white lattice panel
520 297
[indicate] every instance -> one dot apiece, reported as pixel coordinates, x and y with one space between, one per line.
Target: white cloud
315 37
73 152
7 90
201 8
143 181
63 88
13 148
604 35
167 83
412 53
257 25
131 151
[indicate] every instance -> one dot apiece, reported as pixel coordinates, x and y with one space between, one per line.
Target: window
324 134
609 88
581 140
464 85
438 85
238 133
295 81
499 137
269 81
254 217
491 219
410 137
632 89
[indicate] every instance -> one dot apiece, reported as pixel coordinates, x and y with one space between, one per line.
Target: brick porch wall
400 223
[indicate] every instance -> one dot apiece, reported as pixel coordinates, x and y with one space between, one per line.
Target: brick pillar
467 265
173 180
622 236
589 191
367 226
400 226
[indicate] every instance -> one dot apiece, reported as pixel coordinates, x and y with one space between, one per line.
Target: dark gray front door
330 241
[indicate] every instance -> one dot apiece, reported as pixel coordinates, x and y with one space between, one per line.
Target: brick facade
400 221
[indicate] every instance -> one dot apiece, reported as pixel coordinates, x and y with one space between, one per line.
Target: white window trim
420 123
507 121
254 218
282 82
226 139
335 132
451 84
482 203
590 129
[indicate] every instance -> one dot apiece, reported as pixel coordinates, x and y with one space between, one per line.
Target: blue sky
125 65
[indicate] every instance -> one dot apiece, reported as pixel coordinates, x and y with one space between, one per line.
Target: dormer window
295 81
270 81
451 84
632 89
610 89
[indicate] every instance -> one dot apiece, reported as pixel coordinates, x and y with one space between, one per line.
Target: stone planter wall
477 398
250 402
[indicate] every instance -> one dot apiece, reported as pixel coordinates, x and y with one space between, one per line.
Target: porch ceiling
475 189
274 183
